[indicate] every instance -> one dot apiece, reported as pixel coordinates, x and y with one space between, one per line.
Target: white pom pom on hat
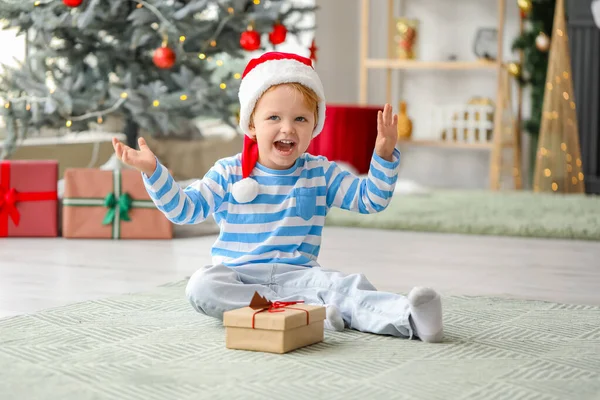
261 73
246 189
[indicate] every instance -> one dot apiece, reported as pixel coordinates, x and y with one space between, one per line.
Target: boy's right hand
143 159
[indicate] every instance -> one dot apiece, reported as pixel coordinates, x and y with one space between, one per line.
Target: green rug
485 213
153 346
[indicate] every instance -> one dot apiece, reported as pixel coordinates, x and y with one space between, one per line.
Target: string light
549 85
182 38
569 158
100 120
202 56
566 75
569 168
547 172
139 6
223 86
6 105
28 107
566 95
560 32
543 151
37 3
257 2
124 95
581 176
220 63
183 97
578 162
573 105
554 186
69 123
156 103
237 75
213 43
563 146
574 180
230 10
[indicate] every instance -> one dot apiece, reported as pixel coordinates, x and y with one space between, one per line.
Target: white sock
334 320
426 314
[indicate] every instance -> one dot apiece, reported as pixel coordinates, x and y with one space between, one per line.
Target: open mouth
285 147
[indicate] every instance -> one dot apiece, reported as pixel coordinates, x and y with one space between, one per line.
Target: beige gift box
273 327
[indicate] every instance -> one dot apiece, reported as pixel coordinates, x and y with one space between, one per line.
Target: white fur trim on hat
273 72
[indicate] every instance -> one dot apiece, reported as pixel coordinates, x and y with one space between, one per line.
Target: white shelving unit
498 143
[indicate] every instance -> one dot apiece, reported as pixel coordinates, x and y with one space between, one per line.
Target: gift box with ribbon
110 204
28 198
273 327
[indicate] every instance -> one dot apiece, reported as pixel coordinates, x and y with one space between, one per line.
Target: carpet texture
153 346
485 213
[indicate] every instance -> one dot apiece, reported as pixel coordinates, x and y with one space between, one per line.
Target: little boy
271 200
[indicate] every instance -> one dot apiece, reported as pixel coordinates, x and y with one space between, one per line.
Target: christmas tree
558 161
157 64
538 16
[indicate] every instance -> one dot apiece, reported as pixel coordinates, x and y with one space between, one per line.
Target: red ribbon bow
8 203
262 304
9 197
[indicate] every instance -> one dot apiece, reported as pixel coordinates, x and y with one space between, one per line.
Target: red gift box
28 198
348 135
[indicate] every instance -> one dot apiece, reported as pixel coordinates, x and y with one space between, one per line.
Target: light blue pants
212 290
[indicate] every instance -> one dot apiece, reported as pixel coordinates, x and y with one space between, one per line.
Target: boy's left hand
387 133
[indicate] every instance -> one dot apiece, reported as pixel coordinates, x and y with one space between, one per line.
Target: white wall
13 47
446 27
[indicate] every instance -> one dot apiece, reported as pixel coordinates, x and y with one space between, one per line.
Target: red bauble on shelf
250 40
164 57
72 3
278 34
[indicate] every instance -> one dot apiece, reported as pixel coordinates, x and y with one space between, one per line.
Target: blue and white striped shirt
283 224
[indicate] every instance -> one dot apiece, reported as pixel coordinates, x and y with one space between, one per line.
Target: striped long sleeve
284 223
193 204
364 195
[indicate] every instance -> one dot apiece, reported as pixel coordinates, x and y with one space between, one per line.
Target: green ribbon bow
123 203
118 204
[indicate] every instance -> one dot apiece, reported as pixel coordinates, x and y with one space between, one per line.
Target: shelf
431 65
447 144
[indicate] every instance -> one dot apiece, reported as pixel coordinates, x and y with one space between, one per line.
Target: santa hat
261 73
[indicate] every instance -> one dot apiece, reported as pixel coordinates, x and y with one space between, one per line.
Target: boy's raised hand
387 133
143 159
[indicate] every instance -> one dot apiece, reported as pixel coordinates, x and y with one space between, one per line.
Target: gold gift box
273 327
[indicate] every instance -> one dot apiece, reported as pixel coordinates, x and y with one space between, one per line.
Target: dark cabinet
584 42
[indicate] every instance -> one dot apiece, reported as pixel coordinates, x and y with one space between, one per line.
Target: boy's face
283 127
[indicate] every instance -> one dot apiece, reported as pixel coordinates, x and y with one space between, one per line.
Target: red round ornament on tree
72 3
250 40
164 57
278 34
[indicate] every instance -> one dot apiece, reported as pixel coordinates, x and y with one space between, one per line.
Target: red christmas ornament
164 57
72 3
313 51
250 40
278 34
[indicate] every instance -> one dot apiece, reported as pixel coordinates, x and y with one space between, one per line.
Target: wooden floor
43 273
